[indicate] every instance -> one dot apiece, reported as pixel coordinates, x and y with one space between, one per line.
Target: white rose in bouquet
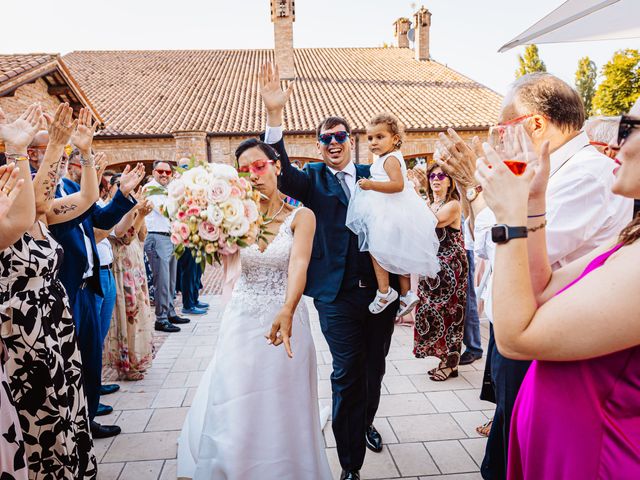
239 229
233 211
222 171
219 191
215 215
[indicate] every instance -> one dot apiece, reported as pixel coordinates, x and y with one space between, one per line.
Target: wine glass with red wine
512 144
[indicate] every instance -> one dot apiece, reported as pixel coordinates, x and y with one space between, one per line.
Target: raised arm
67 208
16 137
293 182
304 227
60 127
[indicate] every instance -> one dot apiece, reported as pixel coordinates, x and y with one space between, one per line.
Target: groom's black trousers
359 342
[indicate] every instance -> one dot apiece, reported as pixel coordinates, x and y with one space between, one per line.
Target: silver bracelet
87 162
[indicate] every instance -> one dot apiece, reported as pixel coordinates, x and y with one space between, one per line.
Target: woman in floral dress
439 315
129 346
44 366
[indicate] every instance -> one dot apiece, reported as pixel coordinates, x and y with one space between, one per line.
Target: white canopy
583 20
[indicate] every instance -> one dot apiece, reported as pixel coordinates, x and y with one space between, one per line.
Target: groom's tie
343 184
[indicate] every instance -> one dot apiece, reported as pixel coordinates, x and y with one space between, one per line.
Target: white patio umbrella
584 20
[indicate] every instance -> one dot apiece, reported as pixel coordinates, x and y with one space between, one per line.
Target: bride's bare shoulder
303 216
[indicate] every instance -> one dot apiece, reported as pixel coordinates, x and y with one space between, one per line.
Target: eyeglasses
626 125
440 176
164 172
259 167
340 137
516 120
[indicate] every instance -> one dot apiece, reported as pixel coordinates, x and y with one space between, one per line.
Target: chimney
402 26
422 20
283 16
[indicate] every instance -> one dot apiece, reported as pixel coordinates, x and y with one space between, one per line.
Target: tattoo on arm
62 209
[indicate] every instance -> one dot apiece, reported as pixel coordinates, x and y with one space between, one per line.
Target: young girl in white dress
392 222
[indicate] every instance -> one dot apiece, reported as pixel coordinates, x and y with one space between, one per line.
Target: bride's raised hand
281 330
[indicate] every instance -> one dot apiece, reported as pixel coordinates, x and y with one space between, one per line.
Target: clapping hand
10 187
101 162
130 178
18 135
82 137
273 96
281 330
458 159
61 126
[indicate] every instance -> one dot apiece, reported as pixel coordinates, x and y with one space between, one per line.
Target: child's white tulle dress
397 229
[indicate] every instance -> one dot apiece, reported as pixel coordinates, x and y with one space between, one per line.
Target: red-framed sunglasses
515 121
164 172
259 167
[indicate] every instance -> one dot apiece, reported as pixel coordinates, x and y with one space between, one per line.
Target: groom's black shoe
374 440
353 475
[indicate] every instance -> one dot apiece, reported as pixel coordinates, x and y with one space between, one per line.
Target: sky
465 34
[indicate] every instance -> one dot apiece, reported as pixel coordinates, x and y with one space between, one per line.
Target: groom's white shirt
274 135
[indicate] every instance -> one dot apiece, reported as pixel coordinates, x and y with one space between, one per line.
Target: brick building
167 104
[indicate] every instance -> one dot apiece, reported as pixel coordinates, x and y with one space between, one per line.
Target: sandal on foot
407 302
442 374
485 429
382 300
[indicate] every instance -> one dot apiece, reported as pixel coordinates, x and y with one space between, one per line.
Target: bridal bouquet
213 212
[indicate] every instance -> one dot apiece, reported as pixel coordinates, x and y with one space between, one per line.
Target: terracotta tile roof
158 92
13 65
19 69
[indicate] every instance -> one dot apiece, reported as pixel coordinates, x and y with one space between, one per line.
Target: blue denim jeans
471 338
106 305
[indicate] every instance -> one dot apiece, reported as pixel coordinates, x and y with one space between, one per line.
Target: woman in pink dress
577 415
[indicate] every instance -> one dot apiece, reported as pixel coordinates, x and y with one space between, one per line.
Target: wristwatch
472 192
503 233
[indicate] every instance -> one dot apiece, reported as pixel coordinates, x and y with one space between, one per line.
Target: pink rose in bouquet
209 231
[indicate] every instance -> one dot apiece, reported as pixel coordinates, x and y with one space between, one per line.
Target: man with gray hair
582 213
602 133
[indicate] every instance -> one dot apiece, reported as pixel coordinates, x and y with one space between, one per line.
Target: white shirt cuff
272 134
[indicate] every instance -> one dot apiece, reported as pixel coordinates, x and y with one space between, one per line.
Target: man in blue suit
80 275
340 278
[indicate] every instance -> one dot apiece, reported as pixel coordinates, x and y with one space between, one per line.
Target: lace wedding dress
255 413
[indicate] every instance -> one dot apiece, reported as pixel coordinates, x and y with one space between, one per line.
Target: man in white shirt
159 250
582 213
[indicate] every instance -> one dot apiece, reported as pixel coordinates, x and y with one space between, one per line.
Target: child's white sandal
410 300
378 306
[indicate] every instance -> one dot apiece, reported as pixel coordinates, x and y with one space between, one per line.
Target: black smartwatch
503 233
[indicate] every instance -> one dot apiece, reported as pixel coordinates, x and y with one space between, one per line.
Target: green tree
586 76
620 87
530 62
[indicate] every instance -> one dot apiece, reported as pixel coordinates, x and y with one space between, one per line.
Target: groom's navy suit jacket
75 258
336 262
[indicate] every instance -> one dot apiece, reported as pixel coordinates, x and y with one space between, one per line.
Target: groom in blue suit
340 278
81 279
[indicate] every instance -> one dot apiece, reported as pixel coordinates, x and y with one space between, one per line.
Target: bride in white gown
255 414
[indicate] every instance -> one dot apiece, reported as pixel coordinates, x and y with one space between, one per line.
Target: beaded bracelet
16 157
86 162
539 227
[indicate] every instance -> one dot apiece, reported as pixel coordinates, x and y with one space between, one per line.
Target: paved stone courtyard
428 427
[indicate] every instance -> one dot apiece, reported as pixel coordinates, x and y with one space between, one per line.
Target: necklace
438 206
274 217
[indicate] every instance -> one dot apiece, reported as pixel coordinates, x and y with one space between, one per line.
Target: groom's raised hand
273 96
